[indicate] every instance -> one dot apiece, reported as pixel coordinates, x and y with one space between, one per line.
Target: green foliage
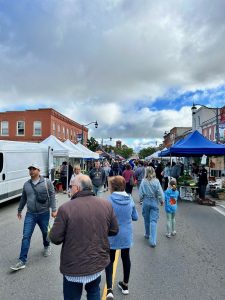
92 144
124 151
146 152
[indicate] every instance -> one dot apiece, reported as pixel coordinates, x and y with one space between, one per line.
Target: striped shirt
83 279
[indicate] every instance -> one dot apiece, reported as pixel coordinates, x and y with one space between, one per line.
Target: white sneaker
47 251
168 235
174 233
18 266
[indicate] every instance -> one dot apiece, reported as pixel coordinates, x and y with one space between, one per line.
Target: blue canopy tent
194 144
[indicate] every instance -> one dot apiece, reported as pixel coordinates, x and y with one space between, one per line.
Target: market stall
193 145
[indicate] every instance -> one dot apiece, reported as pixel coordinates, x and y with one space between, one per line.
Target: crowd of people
91 226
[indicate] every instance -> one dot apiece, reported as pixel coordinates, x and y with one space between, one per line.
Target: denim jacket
151 189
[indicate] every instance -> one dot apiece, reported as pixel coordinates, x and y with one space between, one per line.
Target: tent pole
67 177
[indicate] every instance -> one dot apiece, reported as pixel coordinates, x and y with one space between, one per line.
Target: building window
37 128
67 133
63 130
4 128
199 121
53 128
20 128
71 134
75 136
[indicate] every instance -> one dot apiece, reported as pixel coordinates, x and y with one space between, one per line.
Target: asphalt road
187 266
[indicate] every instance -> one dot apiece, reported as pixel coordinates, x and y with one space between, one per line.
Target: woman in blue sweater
124 208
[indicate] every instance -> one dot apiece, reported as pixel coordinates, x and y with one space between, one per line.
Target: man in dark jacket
98 178
202 182
82 226
39 195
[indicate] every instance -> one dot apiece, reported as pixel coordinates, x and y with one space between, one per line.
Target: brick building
37 124
118 144
175 134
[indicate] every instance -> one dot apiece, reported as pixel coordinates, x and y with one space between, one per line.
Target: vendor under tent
194 145
61 152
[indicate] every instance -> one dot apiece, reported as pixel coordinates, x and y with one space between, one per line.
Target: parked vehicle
15 157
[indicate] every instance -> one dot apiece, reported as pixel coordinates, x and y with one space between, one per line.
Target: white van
15 157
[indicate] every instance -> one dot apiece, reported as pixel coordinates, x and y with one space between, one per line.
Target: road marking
221 212
114 274
222 205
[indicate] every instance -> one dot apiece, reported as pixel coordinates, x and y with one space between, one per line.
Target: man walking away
39 195
82 226
139 173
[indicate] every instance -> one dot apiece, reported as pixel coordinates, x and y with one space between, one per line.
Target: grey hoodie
29 197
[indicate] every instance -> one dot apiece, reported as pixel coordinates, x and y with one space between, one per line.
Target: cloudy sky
134 66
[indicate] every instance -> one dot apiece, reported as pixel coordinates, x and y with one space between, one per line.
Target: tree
146 152
124 151
92 144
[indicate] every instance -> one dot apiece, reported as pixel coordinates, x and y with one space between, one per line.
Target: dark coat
203 180
82 226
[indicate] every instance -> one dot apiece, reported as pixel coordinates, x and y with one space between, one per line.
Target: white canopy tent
155 155
88 153
60 149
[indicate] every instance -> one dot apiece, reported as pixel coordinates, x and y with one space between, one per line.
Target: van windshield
1 162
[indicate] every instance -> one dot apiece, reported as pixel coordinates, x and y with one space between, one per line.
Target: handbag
40 197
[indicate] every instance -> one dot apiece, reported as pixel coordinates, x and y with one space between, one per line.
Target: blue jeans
31 219
150 212
98 190
73 290
170 225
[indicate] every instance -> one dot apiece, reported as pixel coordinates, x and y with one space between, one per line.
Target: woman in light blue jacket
125 211
151 194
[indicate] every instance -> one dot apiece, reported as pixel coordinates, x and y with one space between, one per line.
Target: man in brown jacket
82 226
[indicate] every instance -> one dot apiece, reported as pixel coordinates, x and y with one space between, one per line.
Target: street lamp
107 138
194 109
82 135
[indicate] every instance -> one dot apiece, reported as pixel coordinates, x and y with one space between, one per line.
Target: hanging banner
222 115
222 132
216 163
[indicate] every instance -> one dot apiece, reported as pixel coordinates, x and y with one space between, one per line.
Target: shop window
4 128
37 128
20 128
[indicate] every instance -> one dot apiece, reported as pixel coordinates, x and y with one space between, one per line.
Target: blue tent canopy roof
194 144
